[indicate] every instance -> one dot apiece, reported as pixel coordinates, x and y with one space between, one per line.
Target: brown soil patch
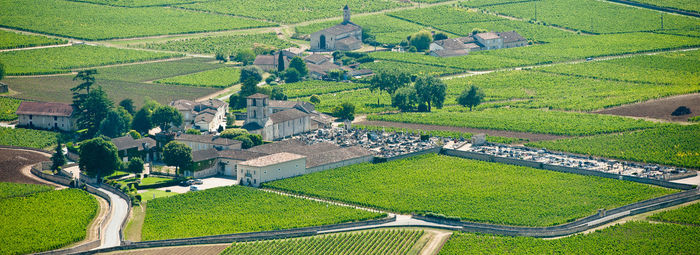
12 162
211 249
659 108
522 135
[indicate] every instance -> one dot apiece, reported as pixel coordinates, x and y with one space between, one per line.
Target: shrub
682 110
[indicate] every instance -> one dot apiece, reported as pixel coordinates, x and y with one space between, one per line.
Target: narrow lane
120 211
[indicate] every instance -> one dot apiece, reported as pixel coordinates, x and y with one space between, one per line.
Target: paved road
112 230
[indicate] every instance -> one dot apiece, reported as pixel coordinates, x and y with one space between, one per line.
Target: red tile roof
45 108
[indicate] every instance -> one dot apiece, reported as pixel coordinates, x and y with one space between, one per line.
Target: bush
682 110
315 99
247 142
193 131
344 111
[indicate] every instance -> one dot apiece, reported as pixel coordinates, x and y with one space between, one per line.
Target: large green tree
166 116
135 165
117 123
431 91
404 98
421 40
2 70
470 97
92 110
58 159
344 111
299 64
142 119
177 154
280 62
98 157
388 81
88 79
128 105
251 71
246 56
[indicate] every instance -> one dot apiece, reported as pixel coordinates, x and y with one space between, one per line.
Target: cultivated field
471 190
231 44
8 107
686 215
217 78
157 70
308 88
659 108
384 28
10 190
39 139
12 161
10 40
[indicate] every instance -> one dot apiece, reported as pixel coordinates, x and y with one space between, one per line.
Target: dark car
197 182
186 183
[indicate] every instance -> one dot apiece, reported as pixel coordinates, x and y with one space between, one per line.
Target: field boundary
657 8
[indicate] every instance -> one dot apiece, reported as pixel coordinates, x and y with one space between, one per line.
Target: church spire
346 14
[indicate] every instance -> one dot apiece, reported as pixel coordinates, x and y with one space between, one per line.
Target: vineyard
62 59
217 78
222 44
364 100
593 16
39 139
45 220
369 242
156 71
471 190
140 3
524 120
685 215
94 22
235 209
8 107
690 5
291 11
10 40
411 68
679 146
438 133
308 88
385 29
10 190
629 238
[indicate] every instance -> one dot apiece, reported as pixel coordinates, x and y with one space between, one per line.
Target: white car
194 188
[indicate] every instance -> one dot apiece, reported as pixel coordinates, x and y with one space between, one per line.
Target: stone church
345 36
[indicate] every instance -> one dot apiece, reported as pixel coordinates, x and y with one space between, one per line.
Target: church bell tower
346 14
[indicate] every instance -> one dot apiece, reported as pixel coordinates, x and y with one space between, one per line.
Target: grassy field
523 120
410 68
308 88
385 29
217 78
369 242
94 22
594 16
222 44
45 220
291 11
59 90
680 145
154 193
471 190
11 40
685 215
8 107
39 139
628 238
237 209
158 70
62 59
9 189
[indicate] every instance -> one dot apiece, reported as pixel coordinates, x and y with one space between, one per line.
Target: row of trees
426 92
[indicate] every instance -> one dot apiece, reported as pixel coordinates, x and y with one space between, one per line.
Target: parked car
197 181
186 183
194 188
589 59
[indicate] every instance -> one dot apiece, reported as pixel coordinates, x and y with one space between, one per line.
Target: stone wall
403 156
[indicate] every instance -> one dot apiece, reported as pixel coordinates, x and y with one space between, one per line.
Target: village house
205 142
128 148
208 116
270 63
45 115
482 41
345 36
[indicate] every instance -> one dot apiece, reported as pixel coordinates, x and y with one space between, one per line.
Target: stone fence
602 217
539 165
242 237
435 150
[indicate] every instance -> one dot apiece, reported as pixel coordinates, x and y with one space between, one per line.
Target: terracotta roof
213 103
299 105
183 105
317 154
450 44
316 58
337 155
322 68
512 36
240 154
487 36
341 28
45 109
203 155
208 139
204 116
287 115
468 39
264 60
272 159
127 142
472 46
258 95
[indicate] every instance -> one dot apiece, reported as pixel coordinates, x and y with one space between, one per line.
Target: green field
308 88
292 11
8 107
39 139
217 78
236 209
10 40
62 59
154 193
685 215
369 242
93 22
411 68
364 100
140 3
222 44
438 133
628 238
45 220
471 190
594 16
9 189
158 70
689 5
37 89
385 29
523 120
679 146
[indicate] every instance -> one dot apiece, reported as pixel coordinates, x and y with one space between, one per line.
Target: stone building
345 36
482 41
271 167
128 148
209 115
44 115
274 119
205 142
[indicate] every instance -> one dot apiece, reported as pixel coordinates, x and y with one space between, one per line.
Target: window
55 118
30 116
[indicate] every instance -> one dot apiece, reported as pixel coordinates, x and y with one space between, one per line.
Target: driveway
120 211
210 182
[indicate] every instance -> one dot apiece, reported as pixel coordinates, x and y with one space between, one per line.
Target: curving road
119 209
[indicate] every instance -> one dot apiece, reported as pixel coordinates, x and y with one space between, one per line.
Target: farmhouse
205 142
345 36
207 116
44 115
128 147
275 119
482 41
271 62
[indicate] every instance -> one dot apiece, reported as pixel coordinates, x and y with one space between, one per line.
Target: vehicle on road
194 188
197 181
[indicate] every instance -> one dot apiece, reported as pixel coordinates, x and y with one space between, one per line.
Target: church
277 119
345 36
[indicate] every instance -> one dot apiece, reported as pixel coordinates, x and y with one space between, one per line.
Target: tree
98 157
221 57
135 165
88 78
246 142
337 74
477 30
251 71
249 87
2 70
257 139
344 111
430 90
92 110
58 159
421 40
291 75
142 120
280 62
246 56
166 116
277 93
471 97
404 98
128 105
177 154
193 131
440 36
299 64
315 99
236 101
388 81
134 134
116 123
233 132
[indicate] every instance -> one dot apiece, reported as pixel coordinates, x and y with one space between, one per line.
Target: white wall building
345 36
209 115
43 115
271 167
205 142
274 119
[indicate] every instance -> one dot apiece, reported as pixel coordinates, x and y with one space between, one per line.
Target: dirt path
522 135
437 240
37 47
207 249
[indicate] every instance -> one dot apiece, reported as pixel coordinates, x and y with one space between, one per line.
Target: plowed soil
659 108
12 161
